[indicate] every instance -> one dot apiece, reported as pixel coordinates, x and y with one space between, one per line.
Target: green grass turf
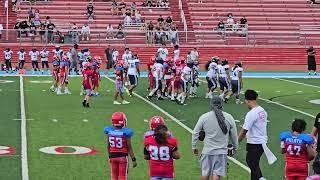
9 129
44 106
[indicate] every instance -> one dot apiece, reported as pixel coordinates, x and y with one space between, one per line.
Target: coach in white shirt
255 130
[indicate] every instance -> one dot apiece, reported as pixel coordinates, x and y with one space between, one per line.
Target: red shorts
151 81
177 84
296 170
168 81
119 168
96 83
63 77
55 76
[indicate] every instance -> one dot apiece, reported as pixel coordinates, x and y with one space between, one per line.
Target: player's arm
242 134
314 132
196 134
131 153
283 150
146 153
228 74
311 152
137 67
240 79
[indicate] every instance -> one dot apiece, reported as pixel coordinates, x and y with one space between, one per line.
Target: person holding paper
255 130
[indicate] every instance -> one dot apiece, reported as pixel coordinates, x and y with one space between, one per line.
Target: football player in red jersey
96 75
119 68
168 65
55 74
87 83
154 122
119 146
160 150
64 72
150 75
176 85
298 148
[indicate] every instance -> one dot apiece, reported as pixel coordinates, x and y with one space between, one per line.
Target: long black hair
216 106
160 134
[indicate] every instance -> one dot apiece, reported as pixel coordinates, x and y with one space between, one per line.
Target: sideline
24 151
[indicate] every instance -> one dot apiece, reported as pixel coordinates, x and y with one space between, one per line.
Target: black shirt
243 21
317 125
160 19
221 25
50 27
169 20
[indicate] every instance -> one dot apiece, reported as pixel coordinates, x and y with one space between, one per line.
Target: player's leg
121 95
210 85
123 168
116 94
154 90
160 90
206 166
86 100
66 89
254 153
184 92
114 164
61 84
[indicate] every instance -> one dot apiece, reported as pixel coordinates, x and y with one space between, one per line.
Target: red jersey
161 162
117 139
87 75
178 72
150 66
96 74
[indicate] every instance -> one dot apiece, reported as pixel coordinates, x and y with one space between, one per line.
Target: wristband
133 159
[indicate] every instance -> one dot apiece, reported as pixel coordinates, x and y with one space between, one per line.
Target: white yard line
295 82
246 168
24 152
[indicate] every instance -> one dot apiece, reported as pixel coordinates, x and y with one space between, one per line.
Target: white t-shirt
7 55
34 55
222 70
256 125
186 74
44 55
236 73
132 66
163 53
157 67
1 28
194 55
212 70
21 55
58 53
115 56
85 29
176 54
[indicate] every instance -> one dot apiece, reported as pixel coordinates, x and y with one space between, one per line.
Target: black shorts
224 84
236 88
45 64
109 64
212 82
312 65
133 79
34 64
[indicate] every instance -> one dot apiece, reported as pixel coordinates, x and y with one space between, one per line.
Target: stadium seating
271 22
12 18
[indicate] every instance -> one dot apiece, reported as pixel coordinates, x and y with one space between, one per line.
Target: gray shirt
74 54
215 142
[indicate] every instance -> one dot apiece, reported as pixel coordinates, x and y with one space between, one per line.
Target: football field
66 142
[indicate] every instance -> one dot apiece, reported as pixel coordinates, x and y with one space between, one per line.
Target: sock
179 96
183 99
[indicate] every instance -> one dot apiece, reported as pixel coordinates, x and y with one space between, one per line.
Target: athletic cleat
125 102
67 92
87 105
127 91
84 103
116 103
149 97
160 98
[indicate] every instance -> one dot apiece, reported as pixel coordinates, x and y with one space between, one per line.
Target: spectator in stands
157 36
243 31
42 32
60 36
173 36
120 33
137 17
46 22
17 28
24 26
50 28
230 22
74 33
1 28
114 9
14 5
235 26
163 37
33 2
36 20
312 65
31 14
148 3
221 27
85 32
150 33
90 11
32 31
122 7
313 2
109 32
133 7
243 21
169 20
127 20
160 21
128 13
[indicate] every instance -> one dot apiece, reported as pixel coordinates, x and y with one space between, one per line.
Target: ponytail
216 106
160 134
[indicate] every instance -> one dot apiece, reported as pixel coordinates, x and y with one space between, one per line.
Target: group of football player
160 148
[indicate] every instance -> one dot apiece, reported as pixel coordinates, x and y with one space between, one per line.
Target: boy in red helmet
119 146
87 83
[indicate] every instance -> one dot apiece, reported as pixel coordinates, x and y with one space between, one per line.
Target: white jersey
21 55
158 68
69 55
186 74
81 56
58 53
194 55
222 70
212 70
7 55
34 55
126 56
115 56
44 55
86 55
176 54
132 66
163 53
236 73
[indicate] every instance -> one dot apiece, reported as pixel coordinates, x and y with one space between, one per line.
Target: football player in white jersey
133 73
82 58
158 74
115 56
236 81
21 56
194 54
212 74
176 52
58 52
7 58
44 60
224 79
185 79
163 52
125 57
34 60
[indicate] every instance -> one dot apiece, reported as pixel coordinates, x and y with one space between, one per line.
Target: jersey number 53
115 142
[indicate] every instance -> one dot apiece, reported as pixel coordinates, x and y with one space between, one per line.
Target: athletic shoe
84 103
160 98
87 105
149 97
125 102
116 102
67 92
59 93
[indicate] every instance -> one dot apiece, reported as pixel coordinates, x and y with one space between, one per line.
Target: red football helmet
156 121
87 65
55 57
65 58
119 119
